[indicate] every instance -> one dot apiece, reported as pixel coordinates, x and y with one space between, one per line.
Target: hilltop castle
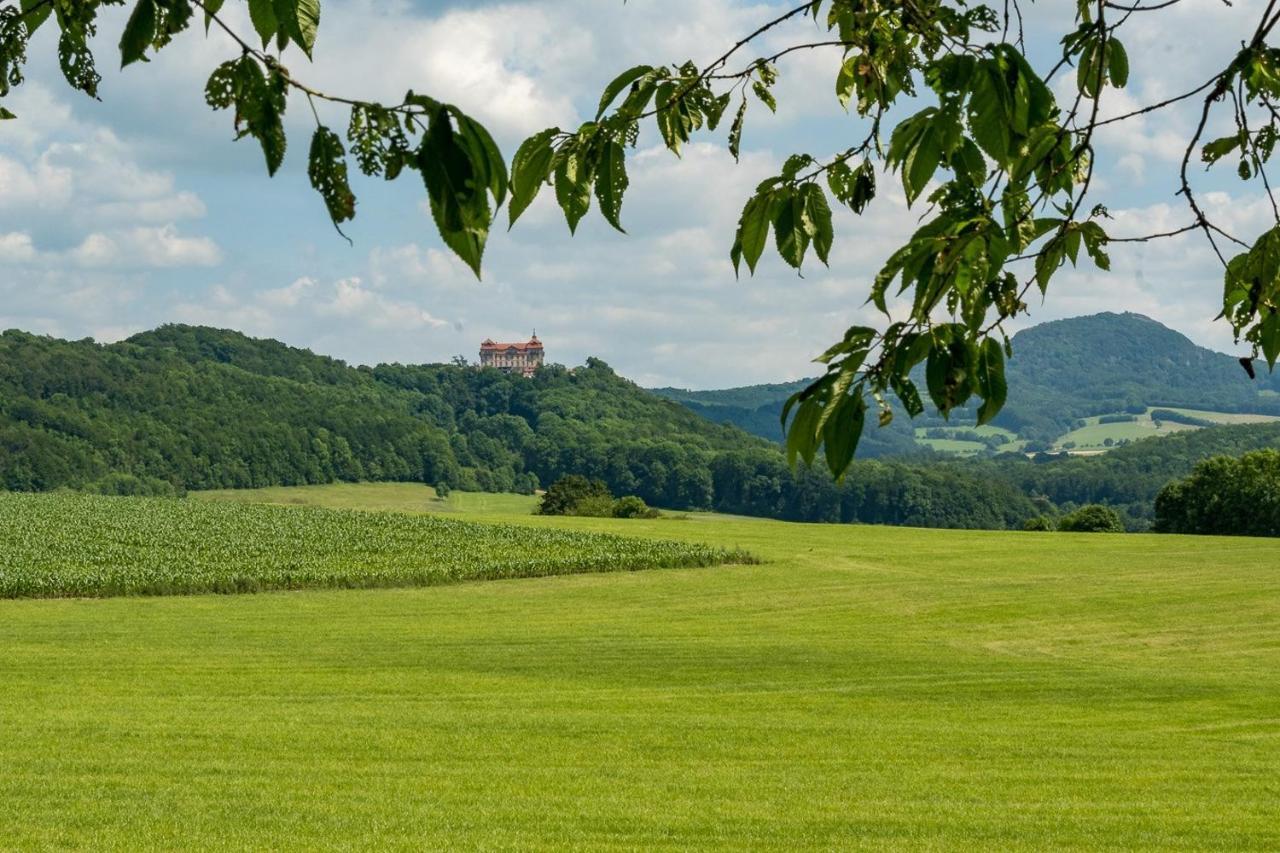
523 358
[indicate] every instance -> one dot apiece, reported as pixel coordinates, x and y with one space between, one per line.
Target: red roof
491 346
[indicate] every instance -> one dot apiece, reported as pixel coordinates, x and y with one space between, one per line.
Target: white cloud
143 247
16 247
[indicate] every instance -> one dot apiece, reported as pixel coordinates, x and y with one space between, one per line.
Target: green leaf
263 15
611 182
1117 63
530 169
34 19
864 187
670 121
818 212
573 189
846 80
327 169
988 114
622 81
220 91
969 163
76 61
753 231
211 8
765 96
908 394
735 130
138 32
1219 148
1269 338
1091 69
5 115
1094 239
459 201
802 438
260 102
948 370
299 19
1047 262
715 111
790 234
921 163
486 158
936 371
991 380
842 431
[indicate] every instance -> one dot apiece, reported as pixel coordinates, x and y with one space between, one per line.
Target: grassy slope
1094 435
865 687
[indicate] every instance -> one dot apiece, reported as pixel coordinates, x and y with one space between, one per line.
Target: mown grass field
862 688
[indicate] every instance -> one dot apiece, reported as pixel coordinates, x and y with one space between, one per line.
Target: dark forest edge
189 408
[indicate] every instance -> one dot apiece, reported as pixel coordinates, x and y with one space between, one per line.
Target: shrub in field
443 490
1092 518
563 496
69 545
632 507
1039 522
594 506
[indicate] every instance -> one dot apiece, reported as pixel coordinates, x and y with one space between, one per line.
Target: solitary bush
632 507
1040 522
442 490
1092 518
563 496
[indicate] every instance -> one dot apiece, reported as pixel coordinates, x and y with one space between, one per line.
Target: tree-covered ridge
1060 371
196 408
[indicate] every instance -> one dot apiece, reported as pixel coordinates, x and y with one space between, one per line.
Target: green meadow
1094 434
859 688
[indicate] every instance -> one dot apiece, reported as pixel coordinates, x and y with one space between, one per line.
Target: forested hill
196 408
1060 371
1105 363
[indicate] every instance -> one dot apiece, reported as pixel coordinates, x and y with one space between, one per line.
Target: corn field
67 545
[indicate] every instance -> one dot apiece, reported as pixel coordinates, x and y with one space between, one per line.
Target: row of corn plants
68 545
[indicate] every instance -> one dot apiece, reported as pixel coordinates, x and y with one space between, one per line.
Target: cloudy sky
139 210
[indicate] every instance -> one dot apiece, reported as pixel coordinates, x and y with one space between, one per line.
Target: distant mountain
1060 371
1104 363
